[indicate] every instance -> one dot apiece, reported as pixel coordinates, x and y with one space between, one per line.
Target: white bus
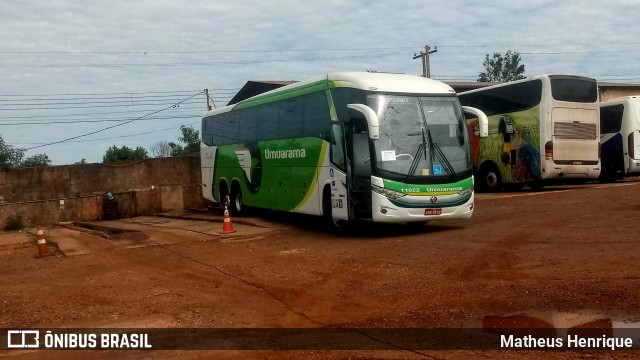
540 129
620 137
347 146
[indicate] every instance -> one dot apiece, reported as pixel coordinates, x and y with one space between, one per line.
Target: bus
620 137
348 146
541 129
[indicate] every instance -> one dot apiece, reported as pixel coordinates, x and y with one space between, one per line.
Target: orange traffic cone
227 228
43 248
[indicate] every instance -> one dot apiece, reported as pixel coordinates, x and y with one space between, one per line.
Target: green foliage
10 157
191 139
124 153
502 68
14 223
81 162
36 160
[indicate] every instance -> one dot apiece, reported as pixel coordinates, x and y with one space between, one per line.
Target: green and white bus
348 146
544 128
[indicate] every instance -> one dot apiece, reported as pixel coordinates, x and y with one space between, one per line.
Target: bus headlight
466 192
386 192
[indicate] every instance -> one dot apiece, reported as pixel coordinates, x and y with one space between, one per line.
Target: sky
77 77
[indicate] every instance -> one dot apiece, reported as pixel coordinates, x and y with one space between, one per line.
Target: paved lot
569 252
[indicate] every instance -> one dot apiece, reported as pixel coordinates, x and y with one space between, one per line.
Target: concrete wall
45 195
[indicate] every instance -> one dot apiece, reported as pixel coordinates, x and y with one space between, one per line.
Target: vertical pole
427 70
206 93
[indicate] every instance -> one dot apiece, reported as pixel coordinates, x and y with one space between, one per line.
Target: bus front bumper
383 210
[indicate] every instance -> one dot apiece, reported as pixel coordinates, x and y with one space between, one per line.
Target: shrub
14 223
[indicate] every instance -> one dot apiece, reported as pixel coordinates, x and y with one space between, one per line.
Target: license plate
433 211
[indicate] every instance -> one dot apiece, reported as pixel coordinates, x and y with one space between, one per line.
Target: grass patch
53 246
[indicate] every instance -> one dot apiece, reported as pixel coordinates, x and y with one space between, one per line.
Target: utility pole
206 93
426 68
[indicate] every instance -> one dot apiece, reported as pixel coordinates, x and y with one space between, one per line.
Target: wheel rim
492 180
238 201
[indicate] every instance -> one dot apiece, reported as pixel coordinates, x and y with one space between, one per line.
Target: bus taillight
548 150
631 146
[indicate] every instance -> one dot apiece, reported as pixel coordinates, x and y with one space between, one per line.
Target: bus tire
224 195
489 179
236 206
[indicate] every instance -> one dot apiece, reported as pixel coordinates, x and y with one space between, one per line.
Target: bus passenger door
359 171
338 175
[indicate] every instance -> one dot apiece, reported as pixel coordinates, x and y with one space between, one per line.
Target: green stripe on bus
285 94
429 189
314 183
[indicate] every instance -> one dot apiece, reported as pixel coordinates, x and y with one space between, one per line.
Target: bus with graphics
620 137
541 129
348 146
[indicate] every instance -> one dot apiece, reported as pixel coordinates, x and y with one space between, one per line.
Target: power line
184 92
82 115
315 50
145 52
238 62
115 137
97 120
113 126
124 98
35 107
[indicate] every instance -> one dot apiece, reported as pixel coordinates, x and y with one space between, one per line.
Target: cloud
122 47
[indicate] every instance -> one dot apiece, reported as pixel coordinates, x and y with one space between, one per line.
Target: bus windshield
420 136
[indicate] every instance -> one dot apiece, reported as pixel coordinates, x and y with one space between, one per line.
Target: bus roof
377 82
537 77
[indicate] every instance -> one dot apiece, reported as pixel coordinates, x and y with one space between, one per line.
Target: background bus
620 137
540 128
349 146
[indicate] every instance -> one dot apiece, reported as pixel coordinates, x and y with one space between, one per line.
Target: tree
190 138
36 160
117 154
161 149
10 157
501 68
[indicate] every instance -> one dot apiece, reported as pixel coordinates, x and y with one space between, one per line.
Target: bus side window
316 118
290 121
227 129
337 149
268 119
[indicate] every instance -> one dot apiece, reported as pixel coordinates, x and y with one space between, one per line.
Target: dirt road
568 250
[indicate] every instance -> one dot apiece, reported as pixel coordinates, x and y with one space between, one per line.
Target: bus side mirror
483 121
372 119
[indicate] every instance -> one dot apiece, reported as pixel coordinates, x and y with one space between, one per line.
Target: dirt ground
569 252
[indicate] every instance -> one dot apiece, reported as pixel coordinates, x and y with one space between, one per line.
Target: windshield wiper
447 165
416 161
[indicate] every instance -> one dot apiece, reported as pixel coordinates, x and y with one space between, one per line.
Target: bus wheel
236 206
489 179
